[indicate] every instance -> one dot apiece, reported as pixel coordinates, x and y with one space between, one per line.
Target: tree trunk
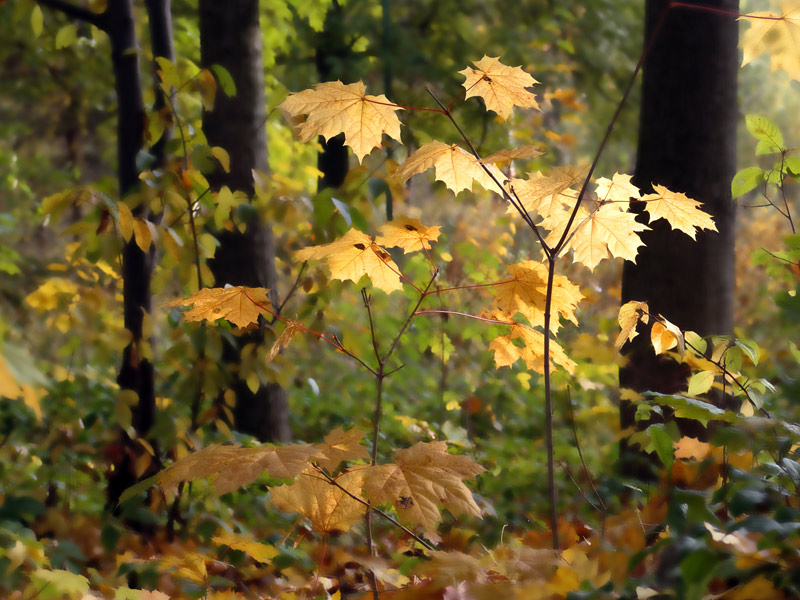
230 36
687 142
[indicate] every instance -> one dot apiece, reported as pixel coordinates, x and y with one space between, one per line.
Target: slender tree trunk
687 142
230 36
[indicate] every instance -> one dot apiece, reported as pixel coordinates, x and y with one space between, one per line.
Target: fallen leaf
262 553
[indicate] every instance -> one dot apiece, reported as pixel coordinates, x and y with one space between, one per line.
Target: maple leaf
354 255
424 477
231 466
333 108
617 189
607 231
408 234
456 167
506 352
680 211
501 87
330 510
341 445
262 553
526 293
630 314
238 304
506 155
776 34
544 194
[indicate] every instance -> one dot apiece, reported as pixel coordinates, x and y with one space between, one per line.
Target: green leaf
66 36
168 73
692 408
662 442
696 343
701 382
225 80
58 583
751 349
746 180
770 139
732 359
792 165
37 21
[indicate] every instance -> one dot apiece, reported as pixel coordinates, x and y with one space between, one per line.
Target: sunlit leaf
501 87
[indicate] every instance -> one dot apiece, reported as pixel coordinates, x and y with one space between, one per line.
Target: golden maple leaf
617 189
424 477
547 193
526 293
680 211
501 87
354 255
776 34
506 352
607 231
341 445
231 466
330 510
456 167
333 108
263 553
506 155
408 234
238 304
630 314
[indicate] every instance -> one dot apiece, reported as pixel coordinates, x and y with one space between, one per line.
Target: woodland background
83 418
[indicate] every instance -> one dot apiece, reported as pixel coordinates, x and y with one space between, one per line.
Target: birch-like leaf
333 108
630 314
501 87
354 255
239 305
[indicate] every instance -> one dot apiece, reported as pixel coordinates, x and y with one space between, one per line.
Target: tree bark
230 36
687 142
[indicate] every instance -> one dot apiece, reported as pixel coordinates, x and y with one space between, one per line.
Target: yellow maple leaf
548 193
776 34
506 155
262 553
629 315
341 445
424 477
330 510
526 293
617 189
691 448
456 167
333 108
501 87
191 566
607 231
354 255
680 211
238 304
231 466
408 234
506 352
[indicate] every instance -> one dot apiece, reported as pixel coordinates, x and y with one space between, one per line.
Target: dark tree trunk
160 17
332 53
230 36
687 142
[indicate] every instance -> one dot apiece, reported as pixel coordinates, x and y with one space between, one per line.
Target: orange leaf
341 445
501 87
333 108
239 305
408 234
424 477
456 167
330 510
354 255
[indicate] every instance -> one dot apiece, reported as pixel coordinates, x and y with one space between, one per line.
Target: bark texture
230 36
687 142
